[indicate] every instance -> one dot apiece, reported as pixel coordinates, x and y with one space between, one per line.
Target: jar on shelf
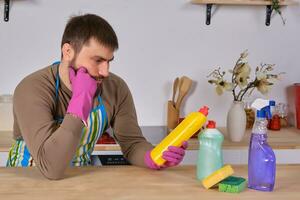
250 115
275 123
282 113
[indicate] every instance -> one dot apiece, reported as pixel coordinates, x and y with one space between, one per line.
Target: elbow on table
52 173
51 167
135 158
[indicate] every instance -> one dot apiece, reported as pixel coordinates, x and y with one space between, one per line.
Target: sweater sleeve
126 129
51 147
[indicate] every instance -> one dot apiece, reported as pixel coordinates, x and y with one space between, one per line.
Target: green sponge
232 184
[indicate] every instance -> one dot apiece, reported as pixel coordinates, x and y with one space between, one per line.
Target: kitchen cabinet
286 145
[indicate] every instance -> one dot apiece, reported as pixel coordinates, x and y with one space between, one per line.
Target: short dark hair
80 29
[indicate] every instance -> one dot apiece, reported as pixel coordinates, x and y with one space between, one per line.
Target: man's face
95 58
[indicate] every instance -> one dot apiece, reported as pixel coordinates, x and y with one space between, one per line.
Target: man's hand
83 91
173 156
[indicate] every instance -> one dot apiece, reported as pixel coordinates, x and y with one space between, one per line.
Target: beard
98 79
72 63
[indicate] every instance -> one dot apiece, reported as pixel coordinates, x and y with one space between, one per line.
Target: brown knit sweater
53 146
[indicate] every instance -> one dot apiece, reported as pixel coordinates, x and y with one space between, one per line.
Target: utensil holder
173 116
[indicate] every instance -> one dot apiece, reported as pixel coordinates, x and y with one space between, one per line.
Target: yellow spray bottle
192 123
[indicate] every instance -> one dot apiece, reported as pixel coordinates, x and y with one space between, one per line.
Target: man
60 111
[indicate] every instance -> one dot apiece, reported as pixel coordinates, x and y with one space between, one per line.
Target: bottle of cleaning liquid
261 160
210 157
192 123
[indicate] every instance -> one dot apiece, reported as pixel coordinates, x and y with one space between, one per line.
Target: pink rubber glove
83 91
173 156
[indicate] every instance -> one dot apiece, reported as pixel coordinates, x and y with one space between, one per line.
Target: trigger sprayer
261 159
263 108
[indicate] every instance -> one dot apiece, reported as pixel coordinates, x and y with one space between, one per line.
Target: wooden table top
129 182
286 138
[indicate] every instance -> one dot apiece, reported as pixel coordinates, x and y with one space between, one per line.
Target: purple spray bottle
261 160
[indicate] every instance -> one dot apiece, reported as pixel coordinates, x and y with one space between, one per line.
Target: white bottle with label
6 113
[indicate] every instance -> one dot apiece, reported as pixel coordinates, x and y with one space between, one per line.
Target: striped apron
19 155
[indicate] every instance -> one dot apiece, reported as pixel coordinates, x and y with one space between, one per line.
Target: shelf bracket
269 10
6 10
208 13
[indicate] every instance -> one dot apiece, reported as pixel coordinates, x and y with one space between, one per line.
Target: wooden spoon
175 88
184 87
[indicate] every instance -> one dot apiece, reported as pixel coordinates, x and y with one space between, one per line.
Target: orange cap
204 110
211 124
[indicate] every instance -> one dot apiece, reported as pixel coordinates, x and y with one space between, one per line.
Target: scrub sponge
232 185
217 176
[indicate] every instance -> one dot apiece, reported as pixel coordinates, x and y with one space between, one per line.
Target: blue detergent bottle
261 160
210 157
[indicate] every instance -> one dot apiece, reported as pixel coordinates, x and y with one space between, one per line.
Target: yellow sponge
217 176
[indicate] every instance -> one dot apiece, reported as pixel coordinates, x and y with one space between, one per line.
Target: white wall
159 40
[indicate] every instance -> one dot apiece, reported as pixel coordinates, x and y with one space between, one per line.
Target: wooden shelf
267 3
286 138
6 140
245 2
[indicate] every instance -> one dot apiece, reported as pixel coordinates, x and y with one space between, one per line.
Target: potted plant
240 85
276 7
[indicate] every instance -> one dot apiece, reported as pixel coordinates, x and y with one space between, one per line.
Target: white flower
260 75
242 74
221 85
263 86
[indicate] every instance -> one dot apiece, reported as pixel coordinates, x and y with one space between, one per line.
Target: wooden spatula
184 87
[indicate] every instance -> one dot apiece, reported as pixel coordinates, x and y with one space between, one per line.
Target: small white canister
6 113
